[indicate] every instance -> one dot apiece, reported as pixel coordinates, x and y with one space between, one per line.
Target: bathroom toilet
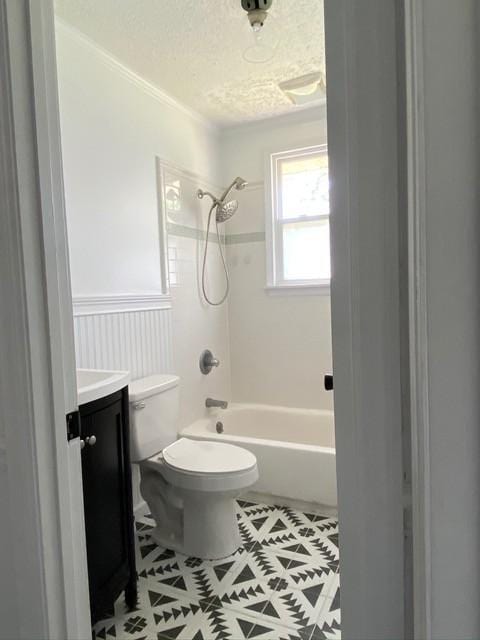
189 486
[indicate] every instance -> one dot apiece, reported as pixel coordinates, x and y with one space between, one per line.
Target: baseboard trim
292 503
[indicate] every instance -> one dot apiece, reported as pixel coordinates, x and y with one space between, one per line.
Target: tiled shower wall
195 325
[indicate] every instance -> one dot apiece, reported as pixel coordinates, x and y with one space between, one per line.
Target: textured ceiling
192 49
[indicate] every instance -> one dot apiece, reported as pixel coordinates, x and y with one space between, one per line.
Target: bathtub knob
208 361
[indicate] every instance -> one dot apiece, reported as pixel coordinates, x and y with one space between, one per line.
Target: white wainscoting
116 333
137 340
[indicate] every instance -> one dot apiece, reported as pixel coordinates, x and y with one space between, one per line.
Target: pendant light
264 33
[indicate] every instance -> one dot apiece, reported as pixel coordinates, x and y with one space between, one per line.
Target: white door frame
418 335
36 338
363 140
38 388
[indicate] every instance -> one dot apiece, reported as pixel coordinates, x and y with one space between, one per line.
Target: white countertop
93 384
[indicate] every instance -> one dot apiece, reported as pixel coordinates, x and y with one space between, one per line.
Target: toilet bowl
191 489
189 486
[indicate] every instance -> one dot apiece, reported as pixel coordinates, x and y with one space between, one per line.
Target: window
298 229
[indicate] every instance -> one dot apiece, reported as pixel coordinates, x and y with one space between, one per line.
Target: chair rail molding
121 303
418 338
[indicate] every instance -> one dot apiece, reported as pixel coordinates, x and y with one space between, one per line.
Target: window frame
276 284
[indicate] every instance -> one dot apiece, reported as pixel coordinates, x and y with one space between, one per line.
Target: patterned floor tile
282 584
328 622
297 608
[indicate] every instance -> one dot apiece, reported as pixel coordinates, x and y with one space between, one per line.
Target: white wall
112 129
280 345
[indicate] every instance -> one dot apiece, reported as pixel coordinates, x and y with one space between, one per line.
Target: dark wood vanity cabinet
107 495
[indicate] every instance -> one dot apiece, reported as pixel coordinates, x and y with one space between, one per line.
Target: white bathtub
295 448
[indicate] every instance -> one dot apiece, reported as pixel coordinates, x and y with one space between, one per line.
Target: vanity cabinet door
108 502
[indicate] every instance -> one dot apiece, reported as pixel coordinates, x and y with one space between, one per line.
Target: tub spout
221 404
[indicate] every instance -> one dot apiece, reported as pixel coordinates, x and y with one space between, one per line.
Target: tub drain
219 427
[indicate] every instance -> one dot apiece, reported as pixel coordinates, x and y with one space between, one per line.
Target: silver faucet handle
208 361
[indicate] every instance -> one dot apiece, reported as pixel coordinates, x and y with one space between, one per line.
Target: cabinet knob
91 440
82 444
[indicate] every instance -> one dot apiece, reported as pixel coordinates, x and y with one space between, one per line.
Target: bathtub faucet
221 404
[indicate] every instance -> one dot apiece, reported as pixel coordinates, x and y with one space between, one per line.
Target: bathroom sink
93 384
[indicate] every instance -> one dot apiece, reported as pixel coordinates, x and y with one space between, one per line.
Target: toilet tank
154 404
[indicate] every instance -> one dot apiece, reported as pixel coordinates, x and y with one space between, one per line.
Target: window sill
298 289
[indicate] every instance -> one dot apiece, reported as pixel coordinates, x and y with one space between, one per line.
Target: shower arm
201 194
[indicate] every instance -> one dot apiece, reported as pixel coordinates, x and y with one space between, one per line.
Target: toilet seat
205 456
206 466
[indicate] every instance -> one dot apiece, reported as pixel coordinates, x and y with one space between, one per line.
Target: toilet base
210 525
213 526
202 524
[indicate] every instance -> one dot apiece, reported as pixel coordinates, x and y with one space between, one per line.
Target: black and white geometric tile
283 584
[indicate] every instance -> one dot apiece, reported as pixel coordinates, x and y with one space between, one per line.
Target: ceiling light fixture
263 31
304 89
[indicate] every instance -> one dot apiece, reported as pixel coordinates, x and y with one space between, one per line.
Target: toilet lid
207 457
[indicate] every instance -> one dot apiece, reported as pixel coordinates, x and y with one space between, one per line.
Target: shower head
225 210
240 183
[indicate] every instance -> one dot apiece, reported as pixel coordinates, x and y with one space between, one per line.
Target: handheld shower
224 210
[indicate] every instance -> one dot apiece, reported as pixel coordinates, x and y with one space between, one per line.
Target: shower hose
222 255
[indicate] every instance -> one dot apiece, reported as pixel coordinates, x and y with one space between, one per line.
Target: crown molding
113 63
123 303
301 115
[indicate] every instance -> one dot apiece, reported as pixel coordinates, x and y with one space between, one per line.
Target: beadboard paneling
139 341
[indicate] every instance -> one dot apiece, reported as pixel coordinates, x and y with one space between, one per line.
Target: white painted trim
58 311
418 337
298 290
362 92
270 245
197 178
95 305
162 225
117 66
297 116
273 237
35 440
